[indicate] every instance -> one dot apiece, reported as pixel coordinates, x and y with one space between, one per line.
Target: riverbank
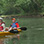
21 16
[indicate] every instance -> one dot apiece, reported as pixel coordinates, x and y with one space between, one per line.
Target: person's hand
6 29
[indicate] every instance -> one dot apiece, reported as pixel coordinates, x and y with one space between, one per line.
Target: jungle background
22 7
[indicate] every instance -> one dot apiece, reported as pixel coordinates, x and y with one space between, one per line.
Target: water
31 36
34 33
13 39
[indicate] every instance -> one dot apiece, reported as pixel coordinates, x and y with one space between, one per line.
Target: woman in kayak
14 25
2 25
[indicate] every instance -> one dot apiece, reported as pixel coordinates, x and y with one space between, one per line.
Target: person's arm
3 26
10 26
17 25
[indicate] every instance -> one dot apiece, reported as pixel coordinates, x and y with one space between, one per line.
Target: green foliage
32 7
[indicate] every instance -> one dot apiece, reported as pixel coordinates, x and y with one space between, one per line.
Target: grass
34 33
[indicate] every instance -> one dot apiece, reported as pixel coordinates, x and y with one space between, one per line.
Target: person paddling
14 26
2 24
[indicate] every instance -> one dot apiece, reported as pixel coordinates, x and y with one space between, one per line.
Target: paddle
16 31
23 28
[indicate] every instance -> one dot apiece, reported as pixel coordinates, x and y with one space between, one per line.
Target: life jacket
1 27
15 25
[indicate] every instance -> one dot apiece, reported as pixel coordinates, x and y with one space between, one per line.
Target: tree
31 7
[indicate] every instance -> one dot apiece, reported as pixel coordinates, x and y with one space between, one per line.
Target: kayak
9 33
6 33
12 32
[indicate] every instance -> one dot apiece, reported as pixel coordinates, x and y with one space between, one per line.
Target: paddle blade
23 28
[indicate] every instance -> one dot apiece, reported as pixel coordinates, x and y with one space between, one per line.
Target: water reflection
12 39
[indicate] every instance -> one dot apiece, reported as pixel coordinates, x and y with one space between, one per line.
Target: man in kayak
14 25
2 25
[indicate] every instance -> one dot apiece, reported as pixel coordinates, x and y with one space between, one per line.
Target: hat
1 18
13 19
